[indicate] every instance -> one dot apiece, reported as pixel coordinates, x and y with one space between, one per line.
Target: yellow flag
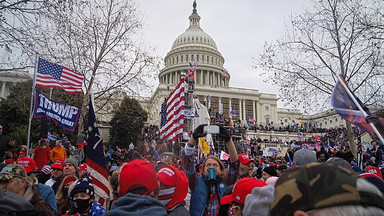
203 145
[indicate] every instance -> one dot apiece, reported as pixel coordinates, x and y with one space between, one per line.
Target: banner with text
65 116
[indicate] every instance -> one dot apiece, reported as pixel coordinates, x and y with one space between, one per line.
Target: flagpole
31 104
360 108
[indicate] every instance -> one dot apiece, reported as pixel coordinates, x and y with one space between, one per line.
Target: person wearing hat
208 188
46 192
241 189
258 203
13 178
246 166
58 152
83 170
82 199
70 167
173 190
137 190
325 189
268 172
13 204
41 154
56 176
303 156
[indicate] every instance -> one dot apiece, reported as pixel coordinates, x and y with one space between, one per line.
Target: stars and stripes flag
172 114
346 104
51 75
97 163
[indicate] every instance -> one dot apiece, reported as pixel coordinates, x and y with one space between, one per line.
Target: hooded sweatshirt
137 205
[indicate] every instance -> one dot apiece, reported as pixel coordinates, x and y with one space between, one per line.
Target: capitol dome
194 35
195 44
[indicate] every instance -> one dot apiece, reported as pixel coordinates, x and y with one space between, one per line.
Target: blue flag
97 163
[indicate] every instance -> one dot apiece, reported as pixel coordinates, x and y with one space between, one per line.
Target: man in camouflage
325 189
13 178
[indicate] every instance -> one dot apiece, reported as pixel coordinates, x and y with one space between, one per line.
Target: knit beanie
84 185
258 203
270 170
72 161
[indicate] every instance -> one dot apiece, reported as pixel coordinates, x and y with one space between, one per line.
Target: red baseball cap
244 159
137 172
241 189
374 170
83 167
58 164
167 176
28 163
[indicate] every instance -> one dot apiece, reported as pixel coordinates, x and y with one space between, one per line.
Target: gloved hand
224 134
199 132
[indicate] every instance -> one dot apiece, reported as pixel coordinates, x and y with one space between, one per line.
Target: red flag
51 75
172 123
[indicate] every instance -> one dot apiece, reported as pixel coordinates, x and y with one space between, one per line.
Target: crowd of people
53 179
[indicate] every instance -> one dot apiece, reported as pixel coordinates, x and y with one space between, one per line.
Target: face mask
81 205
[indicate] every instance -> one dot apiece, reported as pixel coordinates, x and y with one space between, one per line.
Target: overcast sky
239 27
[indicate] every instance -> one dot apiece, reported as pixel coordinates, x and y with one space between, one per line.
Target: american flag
172 114
97 163
51 75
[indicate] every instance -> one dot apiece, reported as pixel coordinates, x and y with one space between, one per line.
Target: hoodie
137 205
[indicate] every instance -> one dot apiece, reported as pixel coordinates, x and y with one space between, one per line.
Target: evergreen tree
127 123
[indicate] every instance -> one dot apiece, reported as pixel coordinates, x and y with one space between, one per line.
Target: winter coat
32 194
200 195
48 196
137 205
41 156
95 210
58 152
179 210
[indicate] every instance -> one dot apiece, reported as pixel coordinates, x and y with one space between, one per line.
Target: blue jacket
199 197
137 205
48 196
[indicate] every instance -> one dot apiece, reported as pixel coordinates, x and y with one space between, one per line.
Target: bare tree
98 38
322 43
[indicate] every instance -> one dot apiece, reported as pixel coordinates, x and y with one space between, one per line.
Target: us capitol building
211 86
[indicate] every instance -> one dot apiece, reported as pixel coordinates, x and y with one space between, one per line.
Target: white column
253 109
220 104
244 111
3 89
240 111
201 77
230 105
221 82
259 114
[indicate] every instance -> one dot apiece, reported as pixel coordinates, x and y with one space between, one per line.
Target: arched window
186 57
197 57
182 58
